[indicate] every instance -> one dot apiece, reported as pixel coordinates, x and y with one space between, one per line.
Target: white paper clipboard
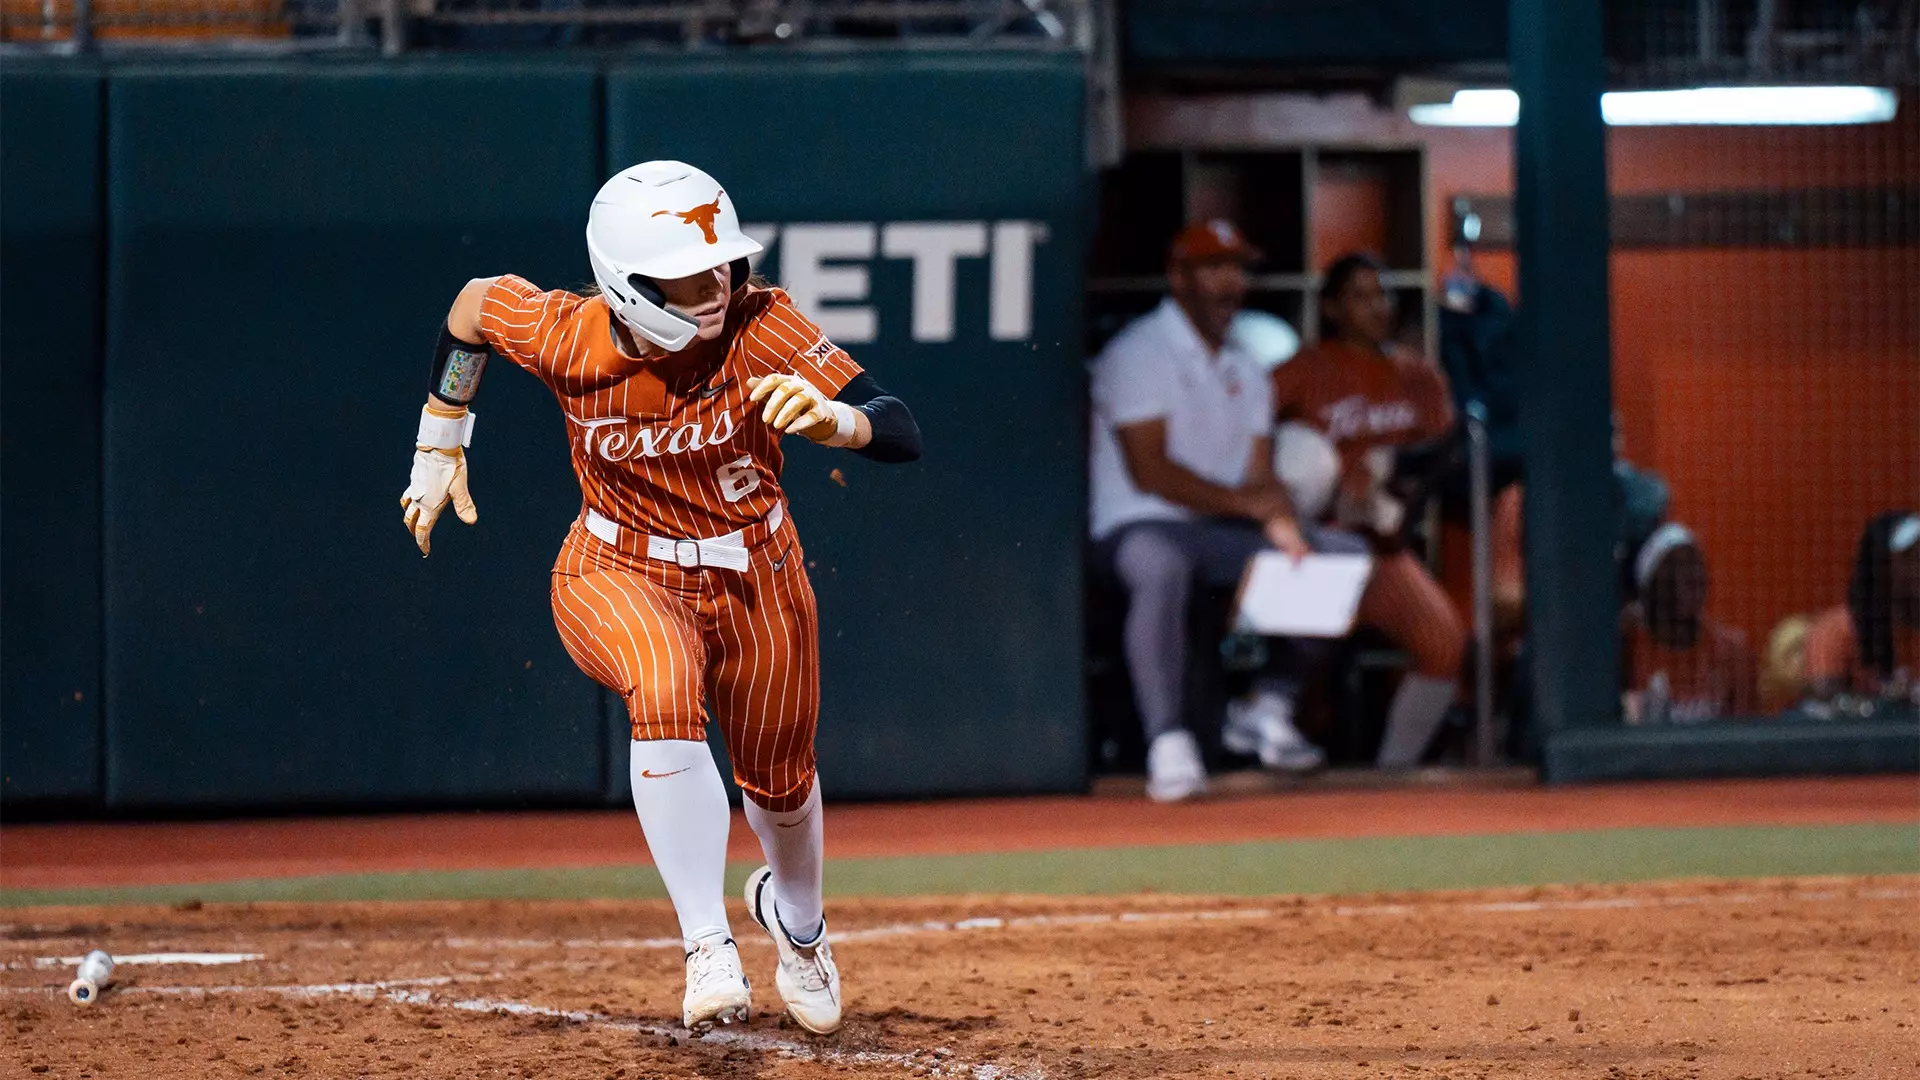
1315 597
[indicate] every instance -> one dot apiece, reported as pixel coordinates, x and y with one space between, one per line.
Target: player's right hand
1284 533
439 476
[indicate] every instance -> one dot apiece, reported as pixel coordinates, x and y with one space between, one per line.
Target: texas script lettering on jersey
621 438
1355 416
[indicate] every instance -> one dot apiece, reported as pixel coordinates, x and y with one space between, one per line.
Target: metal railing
1486 740
83 25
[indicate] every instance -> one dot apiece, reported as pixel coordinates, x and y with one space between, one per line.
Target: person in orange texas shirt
1680 666
1369 397
1870 646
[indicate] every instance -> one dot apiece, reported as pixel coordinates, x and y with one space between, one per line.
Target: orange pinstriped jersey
1833 652
1715 676
669 446
1360 399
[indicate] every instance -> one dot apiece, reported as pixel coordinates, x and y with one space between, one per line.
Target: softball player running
683 581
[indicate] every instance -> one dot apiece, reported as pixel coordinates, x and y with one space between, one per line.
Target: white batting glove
439 475
797 407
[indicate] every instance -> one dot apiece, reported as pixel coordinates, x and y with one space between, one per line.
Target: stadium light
1748 105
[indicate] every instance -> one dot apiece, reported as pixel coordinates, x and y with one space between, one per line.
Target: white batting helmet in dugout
657 221
1308 466
1267 338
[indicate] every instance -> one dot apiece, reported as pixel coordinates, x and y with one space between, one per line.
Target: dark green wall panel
50 236
1765 747
950 590
284 236
285 240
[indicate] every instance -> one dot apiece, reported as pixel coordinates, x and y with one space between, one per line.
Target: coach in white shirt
1184 490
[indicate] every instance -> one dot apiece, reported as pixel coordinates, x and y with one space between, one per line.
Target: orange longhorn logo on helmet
702 216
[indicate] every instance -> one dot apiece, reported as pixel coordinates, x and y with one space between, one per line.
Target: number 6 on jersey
738 478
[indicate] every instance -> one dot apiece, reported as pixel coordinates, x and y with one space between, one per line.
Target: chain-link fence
1763 165
398 24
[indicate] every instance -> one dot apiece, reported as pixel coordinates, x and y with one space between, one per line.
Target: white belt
727 552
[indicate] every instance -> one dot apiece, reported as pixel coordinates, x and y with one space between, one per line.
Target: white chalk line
371 988
937 1062
935 926
1494 907
183 958
360 989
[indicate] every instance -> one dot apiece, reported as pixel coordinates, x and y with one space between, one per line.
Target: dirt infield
92 854
1771 979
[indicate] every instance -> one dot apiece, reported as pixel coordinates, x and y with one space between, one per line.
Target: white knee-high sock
1418 707
683 812
794 843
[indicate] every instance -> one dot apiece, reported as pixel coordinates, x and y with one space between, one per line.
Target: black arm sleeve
896 437
457 367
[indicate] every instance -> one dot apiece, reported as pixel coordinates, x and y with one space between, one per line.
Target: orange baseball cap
1215 239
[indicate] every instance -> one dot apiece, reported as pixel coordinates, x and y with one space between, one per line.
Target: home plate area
1783 978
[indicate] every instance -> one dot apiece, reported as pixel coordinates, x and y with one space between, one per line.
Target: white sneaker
1174 771
808 980
717 991
1262 724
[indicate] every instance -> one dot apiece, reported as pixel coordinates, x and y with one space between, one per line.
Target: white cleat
1174 771
808 980
717 991
1262 725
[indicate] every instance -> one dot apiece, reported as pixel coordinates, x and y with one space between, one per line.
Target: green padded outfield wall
50 236
928 209
285 241
281 239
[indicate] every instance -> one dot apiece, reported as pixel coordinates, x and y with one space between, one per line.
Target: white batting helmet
1309 467
1267 338
657 221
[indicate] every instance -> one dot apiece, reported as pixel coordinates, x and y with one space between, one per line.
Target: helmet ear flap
741 270
645 288
650 294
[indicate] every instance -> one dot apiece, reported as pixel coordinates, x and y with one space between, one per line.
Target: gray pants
1158 563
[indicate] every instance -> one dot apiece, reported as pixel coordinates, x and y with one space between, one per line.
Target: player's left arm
814 389
891 433
862 417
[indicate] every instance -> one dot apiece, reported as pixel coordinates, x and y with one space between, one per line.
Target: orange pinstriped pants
668 640
1405 603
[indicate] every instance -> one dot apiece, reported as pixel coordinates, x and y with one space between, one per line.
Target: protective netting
1766 344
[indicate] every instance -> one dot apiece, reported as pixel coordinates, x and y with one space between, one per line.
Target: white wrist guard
444 432
843 420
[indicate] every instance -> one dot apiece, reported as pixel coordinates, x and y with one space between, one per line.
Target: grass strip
1254 868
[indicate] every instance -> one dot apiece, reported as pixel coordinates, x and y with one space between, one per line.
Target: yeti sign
825 267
